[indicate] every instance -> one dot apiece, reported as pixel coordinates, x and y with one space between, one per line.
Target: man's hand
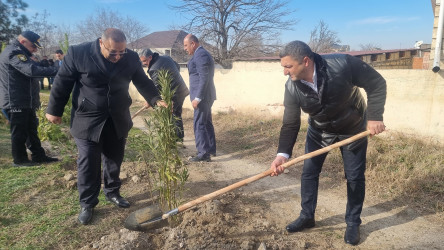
194 103
375 127
146 105
276 165
162 103
54 119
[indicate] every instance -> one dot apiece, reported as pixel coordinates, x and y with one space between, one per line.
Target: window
168 52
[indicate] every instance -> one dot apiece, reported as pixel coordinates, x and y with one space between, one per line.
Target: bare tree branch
40 25
322 39
92 28
233 26
369 47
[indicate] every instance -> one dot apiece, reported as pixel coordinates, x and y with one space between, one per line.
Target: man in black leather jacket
98 75
156 62
327 89
19 97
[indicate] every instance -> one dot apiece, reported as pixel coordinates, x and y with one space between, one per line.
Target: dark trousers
177 113
354 167
23 127
50 81
204 130
109 151
42 83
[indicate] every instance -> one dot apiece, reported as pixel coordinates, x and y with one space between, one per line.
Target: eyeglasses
113 54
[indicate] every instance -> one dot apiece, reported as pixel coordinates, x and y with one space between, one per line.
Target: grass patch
38 211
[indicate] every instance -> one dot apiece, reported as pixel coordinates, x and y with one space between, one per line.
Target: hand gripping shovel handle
263 174
138 112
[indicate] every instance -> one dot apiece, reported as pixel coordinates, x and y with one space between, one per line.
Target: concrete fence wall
415 101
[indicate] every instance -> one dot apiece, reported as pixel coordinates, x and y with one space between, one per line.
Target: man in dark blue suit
202 94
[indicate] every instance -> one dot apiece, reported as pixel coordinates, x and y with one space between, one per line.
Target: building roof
373 52
352 53
160 39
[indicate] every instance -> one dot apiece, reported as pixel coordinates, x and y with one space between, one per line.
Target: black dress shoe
352 235
300 224
118 201
85 215
45 159
200 159
27 163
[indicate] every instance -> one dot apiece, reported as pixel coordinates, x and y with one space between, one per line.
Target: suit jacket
201 71
167 63
57 63
98 93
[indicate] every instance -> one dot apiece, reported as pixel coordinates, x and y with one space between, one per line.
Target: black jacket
167 63
338 107
17 71
98 93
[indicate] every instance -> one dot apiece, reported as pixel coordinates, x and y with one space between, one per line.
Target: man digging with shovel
327 89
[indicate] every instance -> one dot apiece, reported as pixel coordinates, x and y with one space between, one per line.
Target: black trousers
354 158
109 151
23 127
177 113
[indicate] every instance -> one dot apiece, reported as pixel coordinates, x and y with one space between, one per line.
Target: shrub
170 174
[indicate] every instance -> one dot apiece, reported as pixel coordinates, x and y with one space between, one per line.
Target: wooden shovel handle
268 172
138 112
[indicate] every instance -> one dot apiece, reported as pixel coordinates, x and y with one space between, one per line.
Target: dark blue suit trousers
204 130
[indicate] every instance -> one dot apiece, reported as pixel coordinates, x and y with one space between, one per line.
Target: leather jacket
339 107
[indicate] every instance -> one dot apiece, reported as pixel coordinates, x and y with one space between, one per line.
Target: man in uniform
18 97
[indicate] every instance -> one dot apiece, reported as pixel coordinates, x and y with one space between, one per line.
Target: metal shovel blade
145 219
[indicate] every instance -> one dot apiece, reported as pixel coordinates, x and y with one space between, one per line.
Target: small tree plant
170 174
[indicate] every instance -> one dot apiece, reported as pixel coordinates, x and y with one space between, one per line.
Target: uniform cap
32 37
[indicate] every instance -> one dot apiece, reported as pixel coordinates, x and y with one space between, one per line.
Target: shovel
138 112
151 217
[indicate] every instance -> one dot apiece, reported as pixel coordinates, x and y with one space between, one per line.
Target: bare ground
255 216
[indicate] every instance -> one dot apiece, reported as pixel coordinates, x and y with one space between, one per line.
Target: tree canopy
11 21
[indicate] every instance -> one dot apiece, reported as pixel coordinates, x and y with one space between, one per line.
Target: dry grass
39 212
400 168
408 169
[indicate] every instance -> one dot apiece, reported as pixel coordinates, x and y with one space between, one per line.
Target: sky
389 24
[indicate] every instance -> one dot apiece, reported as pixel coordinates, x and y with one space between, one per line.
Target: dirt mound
234 221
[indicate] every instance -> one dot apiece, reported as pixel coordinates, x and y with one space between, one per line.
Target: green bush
48 131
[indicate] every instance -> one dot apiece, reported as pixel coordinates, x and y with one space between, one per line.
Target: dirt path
255 216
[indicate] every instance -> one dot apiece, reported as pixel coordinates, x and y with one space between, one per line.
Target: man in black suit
98 74
155 63
202 94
